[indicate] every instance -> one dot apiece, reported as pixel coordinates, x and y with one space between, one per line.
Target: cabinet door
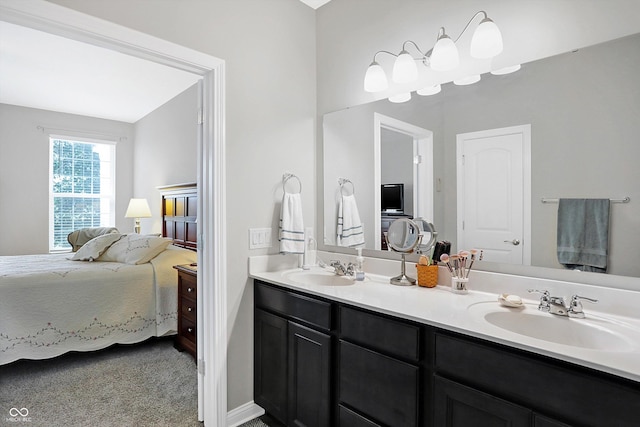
541 421
309 377
380 387
456 405
270 364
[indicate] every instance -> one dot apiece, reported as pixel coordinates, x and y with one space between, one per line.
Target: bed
50 304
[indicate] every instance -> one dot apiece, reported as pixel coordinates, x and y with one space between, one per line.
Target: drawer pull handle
189 289
189 309
190 330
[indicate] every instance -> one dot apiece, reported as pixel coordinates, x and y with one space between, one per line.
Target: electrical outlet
259 238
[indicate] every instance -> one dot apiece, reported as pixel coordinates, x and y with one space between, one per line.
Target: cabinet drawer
553 388
188 286
188 309
379 386
188 329
294 306
380 333
348 418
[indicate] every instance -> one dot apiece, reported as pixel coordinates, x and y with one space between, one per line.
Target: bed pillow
79 237
95 247
135 249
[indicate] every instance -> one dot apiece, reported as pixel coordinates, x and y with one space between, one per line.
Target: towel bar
625 200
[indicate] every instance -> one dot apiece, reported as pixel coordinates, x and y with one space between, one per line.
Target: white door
494 193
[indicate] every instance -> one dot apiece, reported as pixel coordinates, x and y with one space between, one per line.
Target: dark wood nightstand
187 299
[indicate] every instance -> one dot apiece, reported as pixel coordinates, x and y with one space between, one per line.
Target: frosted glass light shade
487 40
506 70
375 80
401 97
138 208
404 68
444 56
468 80
429 90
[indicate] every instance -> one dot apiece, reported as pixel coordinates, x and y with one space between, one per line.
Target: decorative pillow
81 236
135 249
95 247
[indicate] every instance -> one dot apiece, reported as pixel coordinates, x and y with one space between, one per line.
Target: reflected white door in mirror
392 138
494 193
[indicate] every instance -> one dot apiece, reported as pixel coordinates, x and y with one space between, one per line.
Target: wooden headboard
179 214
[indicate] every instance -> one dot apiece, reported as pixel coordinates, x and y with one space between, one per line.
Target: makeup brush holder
459 285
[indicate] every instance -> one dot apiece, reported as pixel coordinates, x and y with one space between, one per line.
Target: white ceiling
40 70
315 3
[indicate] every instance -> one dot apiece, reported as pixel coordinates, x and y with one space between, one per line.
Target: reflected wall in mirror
583 108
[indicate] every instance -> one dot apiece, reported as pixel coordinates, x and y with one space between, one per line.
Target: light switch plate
259 238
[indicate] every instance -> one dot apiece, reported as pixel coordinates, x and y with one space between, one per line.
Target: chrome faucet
343 270
557 306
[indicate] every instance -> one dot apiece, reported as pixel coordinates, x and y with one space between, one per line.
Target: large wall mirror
583 108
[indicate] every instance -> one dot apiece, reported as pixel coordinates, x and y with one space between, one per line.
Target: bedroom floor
149 384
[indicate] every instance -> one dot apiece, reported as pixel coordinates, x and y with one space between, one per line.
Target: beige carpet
142 385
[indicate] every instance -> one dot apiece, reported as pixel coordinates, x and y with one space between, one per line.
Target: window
82 187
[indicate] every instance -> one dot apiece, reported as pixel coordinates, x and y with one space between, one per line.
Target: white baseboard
243 413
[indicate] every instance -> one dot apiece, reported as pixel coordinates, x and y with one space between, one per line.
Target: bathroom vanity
347 354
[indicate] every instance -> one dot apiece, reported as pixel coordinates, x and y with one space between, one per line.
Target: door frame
525 130
423 175
212 331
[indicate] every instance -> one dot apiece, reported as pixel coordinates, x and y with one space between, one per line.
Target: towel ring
343 182
286 177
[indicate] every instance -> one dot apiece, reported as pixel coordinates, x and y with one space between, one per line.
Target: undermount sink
321 278
593 333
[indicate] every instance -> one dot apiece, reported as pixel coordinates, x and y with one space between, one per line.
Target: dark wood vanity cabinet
324 363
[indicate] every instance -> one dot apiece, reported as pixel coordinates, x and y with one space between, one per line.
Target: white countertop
444 309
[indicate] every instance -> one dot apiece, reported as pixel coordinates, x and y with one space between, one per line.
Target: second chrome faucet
557 305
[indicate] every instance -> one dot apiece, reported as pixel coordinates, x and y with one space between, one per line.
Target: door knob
514 242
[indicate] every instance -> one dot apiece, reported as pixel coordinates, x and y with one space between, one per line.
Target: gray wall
165 152
24 172
269 50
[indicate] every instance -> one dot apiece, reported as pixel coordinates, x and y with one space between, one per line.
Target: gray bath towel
583 234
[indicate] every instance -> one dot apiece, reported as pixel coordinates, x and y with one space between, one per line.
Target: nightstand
187 299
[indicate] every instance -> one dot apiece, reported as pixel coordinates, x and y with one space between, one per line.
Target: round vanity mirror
403 237
428 233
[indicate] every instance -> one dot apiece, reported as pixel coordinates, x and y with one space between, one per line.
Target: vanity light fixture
429 90
486 43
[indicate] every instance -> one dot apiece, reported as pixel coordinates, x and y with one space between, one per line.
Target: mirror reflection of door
494 193
405 160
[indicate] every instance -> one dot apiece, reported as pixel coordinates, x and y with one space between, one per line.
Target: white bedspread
50 305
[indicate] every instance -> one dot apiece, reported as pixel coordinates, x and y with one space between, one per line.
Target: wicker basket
427 275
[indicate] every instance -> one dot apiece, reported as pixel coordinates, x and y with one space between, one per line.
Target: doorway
418 164
494 193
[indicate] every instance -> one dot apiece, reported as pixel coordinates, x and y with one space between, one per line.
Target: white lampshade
429 90
400 97
468 80
375 80
444 56
506 70
487 40
404 68
138 208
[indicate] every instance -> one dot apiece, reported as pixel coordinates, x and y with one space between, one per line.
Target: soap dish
513 301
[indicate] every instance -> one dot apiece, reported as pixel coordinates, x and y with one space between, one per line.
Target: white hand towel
350 230
291 232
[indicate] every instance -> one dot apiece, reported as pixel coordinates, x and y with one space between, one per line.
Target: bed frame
179 214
